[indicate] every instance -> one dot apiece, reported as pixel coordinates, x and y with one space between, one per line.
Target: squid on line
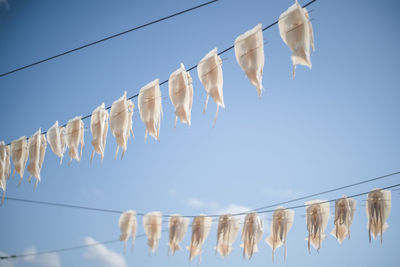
121 122
19 155
344 214
37 145
128 225
249 52
5 167
201 226
378 206
74 136
209 70
282 221
99 129
56 139
252 232
181 94
177 227
296 32
317 214
152 227
228 228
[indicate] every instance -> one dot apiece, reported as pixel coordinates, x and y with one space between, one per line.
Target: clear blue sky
335 124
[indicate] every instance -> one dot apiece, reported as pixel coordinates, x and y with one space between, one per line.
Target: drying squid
99 129
121 122
344 214
19 154
252 232
177 227
249 52
181 94
5 167
37 145
201 226
56 140
152 227
228 228
74 134
378 207
150 108
128 225
317 220
296 31
209 70
282 221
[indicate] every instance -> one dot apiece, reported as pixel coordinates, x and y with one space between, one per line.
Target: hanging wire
14 256
108 38
260 210
165 230
193 67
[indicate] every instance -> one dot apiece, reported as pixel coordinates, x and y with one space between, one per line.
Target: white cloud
194 202
285 194
103 256
42 260
6 263
4 3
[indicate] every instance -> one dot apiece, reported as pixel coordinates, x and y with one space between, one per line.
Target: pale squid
181 94
177 227
74 136
249 52
378 207
296 31
121 122
56 140
344 214
317 214
128 225
209 70
228 228
282 221
99 129
152 227
150 108
252 232
5 167
19 154
201 226
37 145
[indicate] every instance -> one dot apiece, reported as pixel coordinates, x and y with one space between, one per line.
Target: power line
191 68
108 38
143 235
261 209
63 249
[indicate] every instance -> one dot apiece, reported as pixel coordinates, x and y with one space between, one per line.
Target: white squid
121 122
37 145
344 214
209 70
228 228
74 136
5 167
181 94
378 206
252 232
296 31
152 227
150 108
56 140
201 226
249 52
19 154
317 214
282 221
128 225
177 227
99 129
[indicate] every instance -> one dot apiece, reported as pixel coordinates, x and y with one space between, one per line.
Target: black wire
108 38
215 215
139 236
63 249
191 68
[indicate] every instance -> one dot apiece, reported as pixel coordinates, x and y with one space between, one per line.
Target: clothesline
366 181
194 66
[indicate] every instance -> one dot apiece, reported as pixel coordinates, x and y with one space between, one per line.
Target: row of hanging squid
378 207
296 31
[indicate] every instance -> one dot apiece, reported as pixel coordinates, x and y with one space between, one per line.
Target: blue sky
333 125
